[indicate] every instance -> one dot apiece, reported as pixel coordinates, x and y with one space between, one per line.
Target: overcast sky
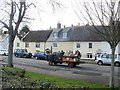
47 17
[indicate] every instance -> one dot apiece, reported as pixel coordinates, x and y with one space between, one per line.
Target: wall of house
32 47
119 51
5 43
21 44
65 46
102 47
84 49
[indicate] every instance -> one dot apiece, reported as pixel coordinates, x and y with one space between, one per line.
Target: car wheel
117 64
100 63
36 58
4 54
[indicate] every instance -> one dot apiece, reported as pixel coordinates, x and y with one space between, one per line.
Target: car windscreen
108 56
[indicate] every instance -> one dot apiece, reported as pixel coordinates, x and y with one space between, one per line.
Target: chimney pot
58 25
72 25
64 26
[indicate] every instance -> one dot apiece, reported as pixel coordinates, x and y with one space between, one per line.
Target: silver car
106 59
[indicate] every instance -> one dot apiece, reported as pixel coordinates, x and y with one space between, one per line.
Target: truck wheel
50 63
71 64
74 65
55 63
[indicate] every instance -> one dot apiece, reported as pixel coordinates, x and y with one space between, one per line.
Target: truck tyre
55 63
50 63
71 64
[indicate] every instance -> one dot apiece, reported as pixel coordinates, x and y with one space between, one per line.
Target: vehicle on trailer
72 61
22 53
106 59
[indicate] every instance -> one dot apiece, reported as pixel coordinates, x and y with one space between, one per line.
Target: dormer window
64 35
55 35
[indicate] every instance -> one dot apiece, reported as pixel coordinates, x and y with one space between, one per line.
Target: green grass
61 82
64 82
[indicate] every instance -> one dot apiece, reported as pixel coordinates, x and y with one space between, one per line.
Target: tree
24 30
106 14
14 15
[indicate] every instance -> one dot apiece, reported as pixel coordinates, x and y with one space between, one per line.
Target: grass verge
60 82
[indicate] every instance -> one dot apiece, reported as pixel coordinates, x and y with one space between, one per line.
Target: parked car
22 53
40 55
4 52
106 59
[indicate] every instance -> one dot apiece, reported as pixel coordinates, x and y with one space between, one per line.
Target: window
90 45
54 44
77 45
89 55
64 35
18 44
37 45
27 44
55 35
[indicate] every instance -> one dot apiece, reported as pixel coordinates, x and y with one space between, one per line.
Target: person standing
78 54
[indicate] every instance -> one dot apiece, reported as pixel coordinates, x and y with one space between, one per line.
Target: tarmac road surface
84 71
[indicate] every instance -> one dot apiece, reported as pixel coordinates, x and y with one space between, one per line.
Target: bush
17 79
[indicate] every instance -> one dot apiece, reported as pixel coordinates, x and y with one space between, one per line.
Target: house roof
60 35
86 33
37 36
78 33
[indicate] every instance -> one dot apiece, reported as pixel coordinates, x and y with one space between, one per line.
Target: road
84 71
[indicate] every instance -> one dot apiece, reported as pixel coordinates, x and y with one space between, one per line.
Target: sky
49 17
45 17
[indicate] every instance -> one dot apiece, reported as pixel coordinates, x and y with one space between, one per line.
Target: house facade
32 41
3 40
68 38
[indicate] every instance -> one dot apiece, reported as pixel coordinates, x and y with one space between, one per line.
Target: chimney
50 28
78 24
58 25
72 25
64 26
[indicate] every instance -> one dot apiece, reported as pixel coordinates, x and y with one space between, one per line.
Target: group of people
69 53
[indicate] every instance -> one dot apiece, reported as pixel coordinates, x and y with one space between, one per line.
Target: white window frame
55 35
18 44
27 44
64 35
89 55
77 45
55 45
90 46
37 45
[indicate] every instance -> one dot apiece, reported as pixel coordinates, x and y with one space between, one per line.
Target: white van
3 52
106 59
